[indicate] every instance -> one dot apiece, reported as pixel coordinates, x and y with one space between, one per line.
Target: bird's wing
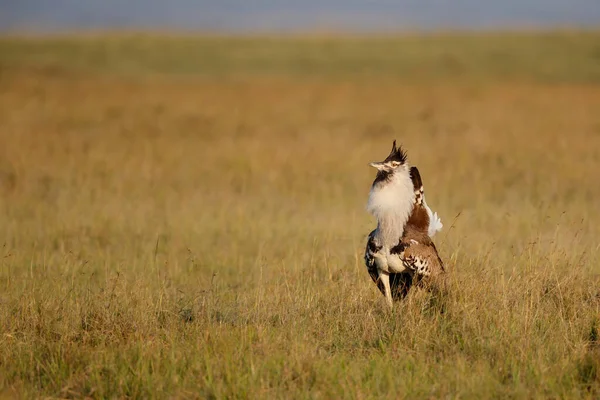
435 223
422 258
370 251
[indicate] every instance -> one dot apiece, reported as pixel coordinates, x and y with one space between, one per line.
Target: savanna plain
184 217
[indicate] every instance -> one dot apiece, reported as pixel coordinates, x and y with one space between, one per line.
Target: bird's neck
391 203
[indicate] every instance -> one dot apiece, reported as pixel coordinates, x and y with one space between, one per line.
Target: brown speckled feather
418 251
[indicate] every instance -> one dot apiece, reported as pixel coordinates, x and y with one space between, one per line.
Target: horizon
267 16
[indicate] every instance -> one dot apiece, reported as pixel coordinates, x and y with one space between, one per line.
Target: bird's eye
395 163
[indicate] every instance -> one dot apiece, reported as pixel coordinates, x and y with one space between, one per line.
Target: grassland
184 217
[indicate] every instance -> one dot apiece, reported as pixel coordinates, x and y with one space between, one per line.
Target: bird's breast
387 262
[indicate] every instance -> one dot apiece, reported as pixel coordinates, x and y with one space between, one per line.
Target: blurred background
183 190
272 15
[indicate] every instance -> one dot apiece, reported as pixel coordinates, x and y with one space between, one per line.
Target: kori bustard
400 250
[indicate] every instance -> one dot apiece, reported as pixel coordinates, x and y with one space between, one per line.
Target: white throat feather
391 202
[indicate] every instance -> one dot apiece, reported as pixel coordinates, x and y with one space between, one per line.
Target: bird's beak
379 165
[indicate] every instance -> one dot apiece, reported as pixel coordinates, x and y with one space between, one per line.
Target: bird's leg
385 279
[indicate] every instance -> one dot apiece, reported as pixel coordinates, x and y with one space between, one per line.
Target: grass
179 227
570 56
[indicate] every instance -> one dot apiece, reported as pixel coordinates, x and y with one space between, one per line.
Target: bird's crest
395 161
397 154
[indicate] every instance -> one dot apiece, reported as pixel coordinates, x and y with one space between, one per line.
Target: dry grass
177 237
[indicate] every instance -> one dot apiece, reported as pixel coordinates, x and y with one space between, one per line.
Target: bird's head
392 194
395 162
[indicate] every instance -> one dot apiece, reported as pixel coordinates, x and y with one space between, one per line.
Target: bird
401 246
